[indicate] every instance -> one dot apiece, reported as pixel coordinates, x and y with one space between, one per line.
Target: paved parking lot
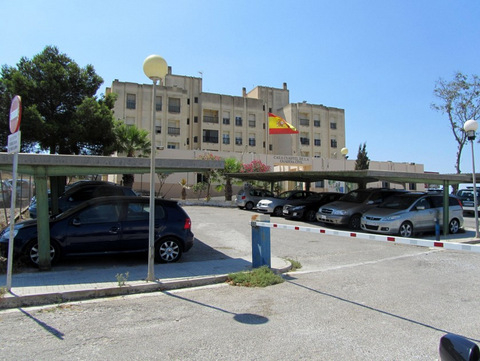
388 293
352 299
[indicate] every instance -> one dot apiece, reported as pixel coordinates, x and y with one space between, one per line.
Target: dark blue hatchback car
103 225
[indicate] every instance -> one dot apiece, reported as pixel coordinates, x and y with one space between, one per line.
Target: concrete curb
135 287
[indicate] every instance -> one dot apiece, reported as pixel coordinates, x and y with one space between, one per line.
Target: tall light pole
470 128
154 67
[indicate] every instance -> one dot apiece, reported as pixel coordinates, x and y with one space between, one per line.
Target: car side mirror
76 222
458 348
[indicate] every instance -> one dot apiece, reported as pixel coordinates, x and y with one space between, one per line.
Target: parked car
466 196
82 191
307 209
249 197
410 213
349 209
275 205
103 225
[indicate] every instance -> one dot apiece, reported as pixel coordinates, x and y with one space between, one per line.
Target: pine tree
362 161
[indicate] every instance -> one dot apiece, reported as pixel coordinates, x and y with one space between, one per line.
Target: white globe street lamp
470 128
154 67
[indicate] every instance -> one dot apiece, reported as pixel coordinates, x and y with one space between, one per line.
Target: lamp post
470 128
154 67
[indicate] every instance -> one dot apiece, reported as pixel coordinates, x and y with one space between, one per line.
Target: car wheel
249 206
168 250
31 253
278 211
406 229
311 216
354 222
454 226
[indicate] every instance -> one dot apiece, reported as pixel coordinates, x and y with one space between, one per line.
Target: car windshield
355 196
399 202
285 195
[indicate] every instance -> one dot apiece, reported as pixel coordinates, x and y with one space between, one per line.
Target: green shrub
258 277
295 264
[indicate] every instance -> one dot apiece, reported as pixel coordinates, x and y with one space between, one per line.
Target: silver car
348 210
275 205
412 213
248 197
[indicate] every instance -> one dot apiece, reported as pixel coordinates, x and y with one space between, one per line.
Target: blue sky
378 59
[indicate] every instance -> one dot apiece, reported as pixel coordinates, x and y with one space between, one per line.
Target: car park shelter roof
358 176
70 165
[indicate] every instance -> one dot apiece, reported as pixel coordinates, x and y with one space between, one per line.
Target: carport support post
261 255
43 223
446 208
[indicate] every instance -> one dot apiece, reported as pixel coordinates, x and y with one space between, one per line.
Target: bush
258 277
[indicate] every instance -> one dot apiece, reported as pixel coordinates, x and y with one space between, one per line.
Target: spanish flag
277 125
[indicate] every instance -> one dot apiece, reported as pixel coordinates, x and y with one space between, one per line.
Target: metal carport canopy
358 176
42 166
362 177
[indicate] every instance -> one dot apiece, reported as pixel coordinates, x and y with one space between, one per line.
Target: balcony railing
173 131
210 119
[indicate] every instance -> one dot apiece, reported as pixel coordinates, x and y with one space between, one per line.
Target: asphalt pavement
74 281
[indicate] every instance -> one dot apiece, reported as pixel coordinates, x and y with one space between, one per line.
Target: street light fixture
470 128
154 67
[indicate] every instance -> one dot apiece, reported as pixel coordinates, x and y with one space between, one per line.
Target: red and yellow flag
277 125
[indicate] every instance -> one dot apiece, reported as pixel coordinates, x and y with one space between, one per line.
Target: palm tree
132 141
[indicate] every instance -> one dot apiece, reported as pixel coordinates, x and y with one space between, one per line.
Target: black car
107 225
82 191
307 209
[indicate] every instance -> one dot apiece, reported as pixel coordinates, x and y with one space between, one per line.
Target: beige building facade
190 123
189 119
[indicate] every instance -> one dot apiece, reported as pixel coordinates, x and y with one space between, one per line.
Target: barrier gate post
261 255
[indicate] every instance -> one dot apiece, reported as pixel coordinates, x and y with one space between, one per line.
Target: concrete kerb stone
16 301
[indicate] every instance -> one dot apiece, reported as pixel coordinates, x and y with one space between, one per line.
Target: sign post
13 147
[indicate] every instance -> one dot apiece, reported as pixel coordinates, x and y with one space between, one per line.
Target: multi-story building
189 119
190 122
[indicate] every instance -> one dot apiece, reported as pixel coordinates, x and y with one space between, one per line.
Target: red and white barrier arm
375 237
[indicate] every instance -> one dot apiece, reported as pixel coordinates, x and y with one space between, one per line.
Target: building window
173 131
238 140
320 184
251 123
238 121
195 119
317 142
304 141
316 123
226 138
195 139
251 141
210 136
131 101
158 129
196 100
158 103
333 125
305 122
226 121
174 105
333 143
172 146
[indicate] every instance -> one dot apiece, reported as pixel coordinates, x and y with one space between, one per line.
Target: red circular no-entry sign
15 113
